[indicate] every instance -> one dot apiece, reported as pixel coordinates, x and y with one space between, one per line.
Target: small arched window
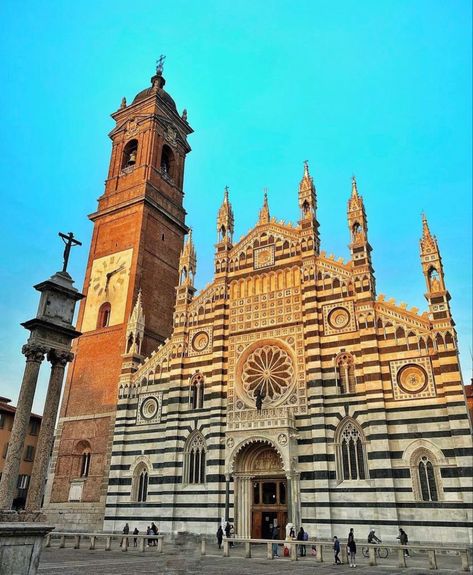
434 280
130 152
103 319
345 368
85 463
139 489
167 162
195 456
351 452
197 391
356 230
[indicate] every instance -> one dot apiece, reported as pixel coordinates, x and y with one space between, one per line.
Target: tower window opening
103 319
356 230
85 464
167 162
130 154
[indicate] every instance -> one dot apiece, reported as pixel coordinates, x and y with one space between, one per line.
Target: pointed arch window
167 162
426 476
140 481
195 459
345 372
351 457
196 396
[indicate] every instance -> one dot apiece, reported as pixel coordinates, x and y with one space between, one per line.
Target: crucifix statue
70 241
160 64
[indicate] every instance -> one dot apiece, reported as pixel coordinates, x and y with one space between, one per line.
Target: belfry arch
264 488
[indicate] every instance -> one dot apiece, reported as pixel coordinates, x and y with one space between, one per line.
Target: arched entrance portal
261 491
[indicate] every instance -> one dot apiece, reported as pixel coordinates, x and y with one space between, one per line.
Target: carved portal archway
262 489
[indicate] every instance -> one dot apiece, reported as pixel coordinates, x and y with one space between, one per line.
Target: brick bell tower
139 228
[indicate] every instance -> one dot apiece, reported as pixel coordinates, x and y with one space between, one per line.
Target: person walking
403 540
300 537
351 545
135 539
336 551
125 531
154 531
275 536
219 536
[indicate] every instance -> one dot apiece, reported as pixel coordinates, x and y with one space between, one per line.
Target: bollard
92 542
432 559
464 558
226 548
372 555
62 542
401 558
142 544
47 543
269 550
320 553
108 544
124 544
344 552
202 547
247 549
160 545
76 541
293 552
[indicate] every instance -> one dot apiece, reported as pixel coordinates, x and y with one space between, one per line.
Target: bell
132 158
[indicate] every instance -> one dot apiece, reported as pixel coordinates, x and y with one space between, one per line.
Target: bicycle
381 552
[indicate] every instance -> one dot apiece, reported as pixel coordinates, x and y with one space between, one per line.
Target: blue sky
378 89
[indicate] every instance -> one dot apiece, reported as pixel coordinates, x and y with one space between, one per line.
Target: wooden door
256 525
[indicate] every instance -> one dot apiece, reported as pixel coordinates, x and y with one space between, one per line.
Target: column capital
60 358
34 353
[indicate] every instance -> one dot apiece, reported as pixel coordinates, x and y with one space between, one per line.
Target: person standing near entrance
275 536
301 537
219 536
351 544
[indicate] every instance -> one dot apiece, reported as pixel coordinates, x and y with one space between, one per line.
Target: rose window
268 370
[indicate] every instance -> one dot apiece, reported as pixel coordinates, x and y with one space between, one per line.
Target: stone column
58 360
227 498
34 356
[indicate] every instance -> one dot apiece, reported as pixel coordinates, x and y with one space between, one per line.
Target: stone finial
123 103
264 216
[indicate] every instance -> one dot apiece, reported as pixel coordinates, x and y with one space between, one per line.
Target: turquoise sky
381 89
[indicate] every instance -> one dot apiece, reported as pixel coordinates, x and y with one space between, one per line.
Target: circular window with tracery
269 371
149 408
338 318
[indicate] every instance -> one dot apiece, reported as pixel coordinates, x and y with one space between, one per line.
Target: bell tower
138 235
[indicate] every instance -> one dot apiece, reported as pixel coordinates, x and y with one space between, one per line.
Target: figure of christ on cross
259 396
70 241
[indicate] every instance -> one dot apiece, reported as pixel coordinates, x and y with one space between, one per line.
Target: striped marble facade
364 414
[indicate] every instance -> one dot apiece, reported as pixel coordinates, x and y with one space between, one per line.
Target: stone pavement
175 561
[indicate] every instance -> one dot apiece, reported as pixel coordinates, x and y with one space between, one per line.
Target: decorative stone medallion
263 257
412 378
170 136
149 408
132 127
338 318
200 341
282 439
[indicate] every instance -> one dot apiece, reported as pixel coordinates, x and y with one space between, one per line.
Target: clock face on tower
109 278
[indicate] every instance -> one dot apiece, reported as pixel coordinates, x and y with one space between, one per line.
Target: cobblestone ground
181 561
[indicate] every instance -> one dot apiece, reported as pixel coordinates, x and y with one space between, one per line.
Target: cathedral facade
285 391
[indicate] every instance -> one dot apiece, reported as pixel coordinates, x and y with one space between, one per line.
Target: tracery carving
269 370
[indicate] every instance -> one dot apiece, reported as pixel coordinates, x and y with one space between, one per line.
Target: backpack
305 537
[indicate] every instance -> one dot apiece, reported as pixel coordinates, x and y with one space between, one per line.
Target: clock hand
113 272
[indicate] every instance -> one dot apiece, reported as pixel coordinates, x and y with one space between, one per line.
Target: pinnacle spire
354 188
225 220
264 216
425 227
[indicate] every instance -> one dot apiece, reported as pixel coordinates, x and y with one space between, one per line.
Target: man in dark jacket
336 551
403 540
275 535
219 536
